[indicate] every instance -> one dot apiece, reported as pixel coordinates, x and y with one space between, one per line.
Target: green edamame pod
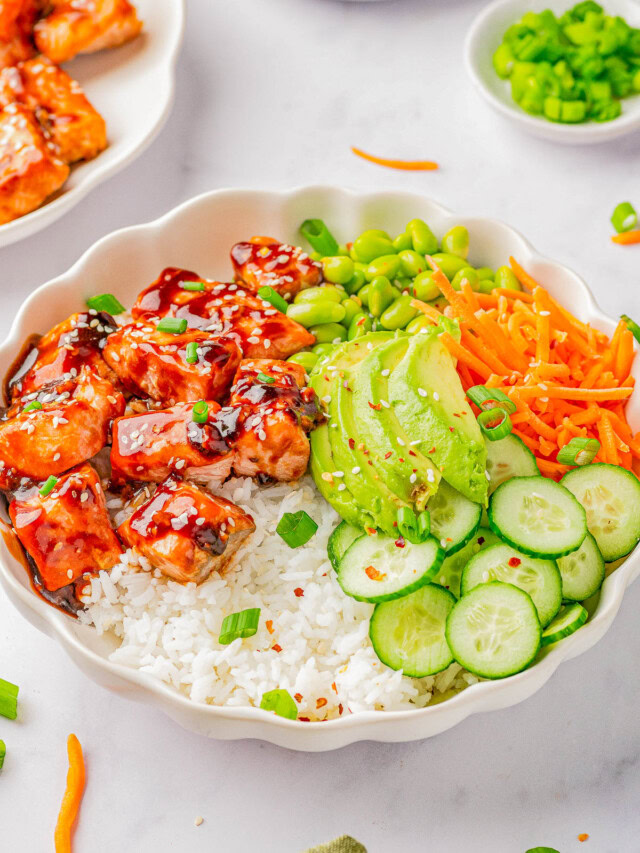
395 292
403 241
467 273
411 263
356 281
505 277
424 287
363 295
359 326
308 360
372 244
484 272
351 308
399 314
486 285
420 323
423 240
449 264
338 269
316 312
456 241
387 265
322 293
380 295
329 333
322 350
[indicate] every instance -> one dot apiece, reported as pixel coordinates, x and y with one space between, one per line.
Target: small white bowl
486 34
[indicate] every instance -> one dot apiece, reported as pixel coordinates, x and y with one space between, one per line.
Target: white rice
171 630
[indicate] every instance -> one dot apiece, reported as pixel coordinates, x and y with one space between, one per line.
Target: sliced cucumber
341 538
507 458
450 572
582 571
375 569
409 633
611 498
454 518
494 630
538 517
568 620
539 578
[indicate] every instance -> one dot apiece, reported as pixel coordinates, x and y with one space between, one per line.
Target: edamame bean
316 312
305 359
395 292
322 350
424 287
505 277
316 256
372 244
380 295
329 333
363 295
359 326
418 324
412 263
467 273
351 308
449 264
356 281
422 237
398 314
338 269
486 285
402 242
484 272
342 250
387 265
323 293
403 283
456 241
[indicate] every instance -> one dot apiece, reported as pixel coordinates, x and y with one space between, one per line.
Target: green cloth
344 844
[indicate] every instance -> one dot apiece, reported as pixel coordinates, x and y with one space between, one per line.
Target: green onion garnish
495 423
579 451
192 352
195 286
34 406
243 624
322 240
49 485
281 703
200 412
296 528
105 302
8 699
269 380
172 325
632 326
624 217
273 298
424 525
3 752
414 530
490 398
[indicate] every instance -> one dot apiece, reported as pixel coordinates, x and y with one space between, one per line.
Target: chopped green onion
632 326
296 528
3 752
8 699
172 325
273 298
579 451
269 380
105 302
624 217
195 286
414 530
49 486
34 406
200 412
495 423
490 398
243 624
192 352
281 703
322 240
424 525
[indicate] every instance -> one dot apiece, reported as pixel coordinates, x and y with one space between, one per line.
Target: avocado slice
431 405
407 472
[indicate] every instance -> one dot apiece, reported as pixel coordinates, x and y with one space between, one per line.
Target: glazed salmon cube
17 18
264 261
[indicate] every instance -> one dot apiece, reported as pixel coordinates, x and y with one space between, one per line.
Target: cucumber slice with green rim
494 630
375 569
450 572
341 538
539 578
567 622
538 517
454 518
507 458
611 498
409 633
582 571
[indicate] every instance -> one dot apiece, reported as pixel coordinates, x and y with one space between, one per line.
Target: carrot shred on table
627 238
72 796
391 163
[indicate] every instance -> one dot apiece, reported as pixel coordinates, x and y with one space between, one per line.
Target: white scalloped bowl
198 235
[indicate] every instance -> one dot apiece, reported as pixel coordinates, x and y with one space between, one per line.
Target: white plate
486 34
198 235
132 87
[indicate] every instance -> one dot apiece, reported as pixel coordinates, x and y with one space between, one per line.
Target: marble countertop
272 94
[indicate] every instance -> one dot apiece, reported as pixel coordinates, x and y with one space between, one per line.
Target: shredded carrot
72 796
624 356
406 165
465 356
566 393
552 469
627 238
428 310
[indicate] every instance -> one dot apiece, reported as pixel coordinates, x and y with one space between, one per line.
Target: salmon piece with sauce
186 532
67 532
17 18
264 261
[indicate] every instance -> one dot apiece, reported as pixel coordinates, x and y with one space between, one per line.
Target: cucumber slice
507 458
568 620
409 633
341 538
375 569
539 578
611 498
538 517
450 573
582 571
494 630
454 518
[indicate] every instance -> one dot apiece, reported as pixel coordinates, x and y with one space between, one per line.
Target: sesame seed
412 478
115 356
355 470
385 372
400 441
338 473
422 392
341 487
485 577
70 573
200 521
436 396
56 457
262 435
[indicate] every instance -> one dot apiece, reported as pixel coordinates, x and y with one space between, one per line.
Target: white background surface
271 93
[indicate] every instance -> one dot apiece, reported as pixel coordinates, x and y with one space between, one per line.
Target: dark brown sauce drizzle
20 366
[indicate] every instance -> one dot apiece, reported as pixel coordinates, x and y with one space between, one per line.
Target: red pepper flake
387 455
433 450
372 573
321 702
376 406
333 687
269 624
451 429
584 836
361 321
340 709
399 543
480 540
304 719
298 591
352 444
514 561
412 453
456 415
277 647
298 697
371 531
400 459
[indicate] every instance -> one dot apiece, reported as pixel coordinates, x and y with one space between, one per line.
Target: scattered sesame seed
422 392
355 470
436 396
400 441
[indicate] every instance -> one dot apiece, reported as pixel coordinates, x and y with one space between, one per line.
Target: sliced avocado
430 403
407 472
